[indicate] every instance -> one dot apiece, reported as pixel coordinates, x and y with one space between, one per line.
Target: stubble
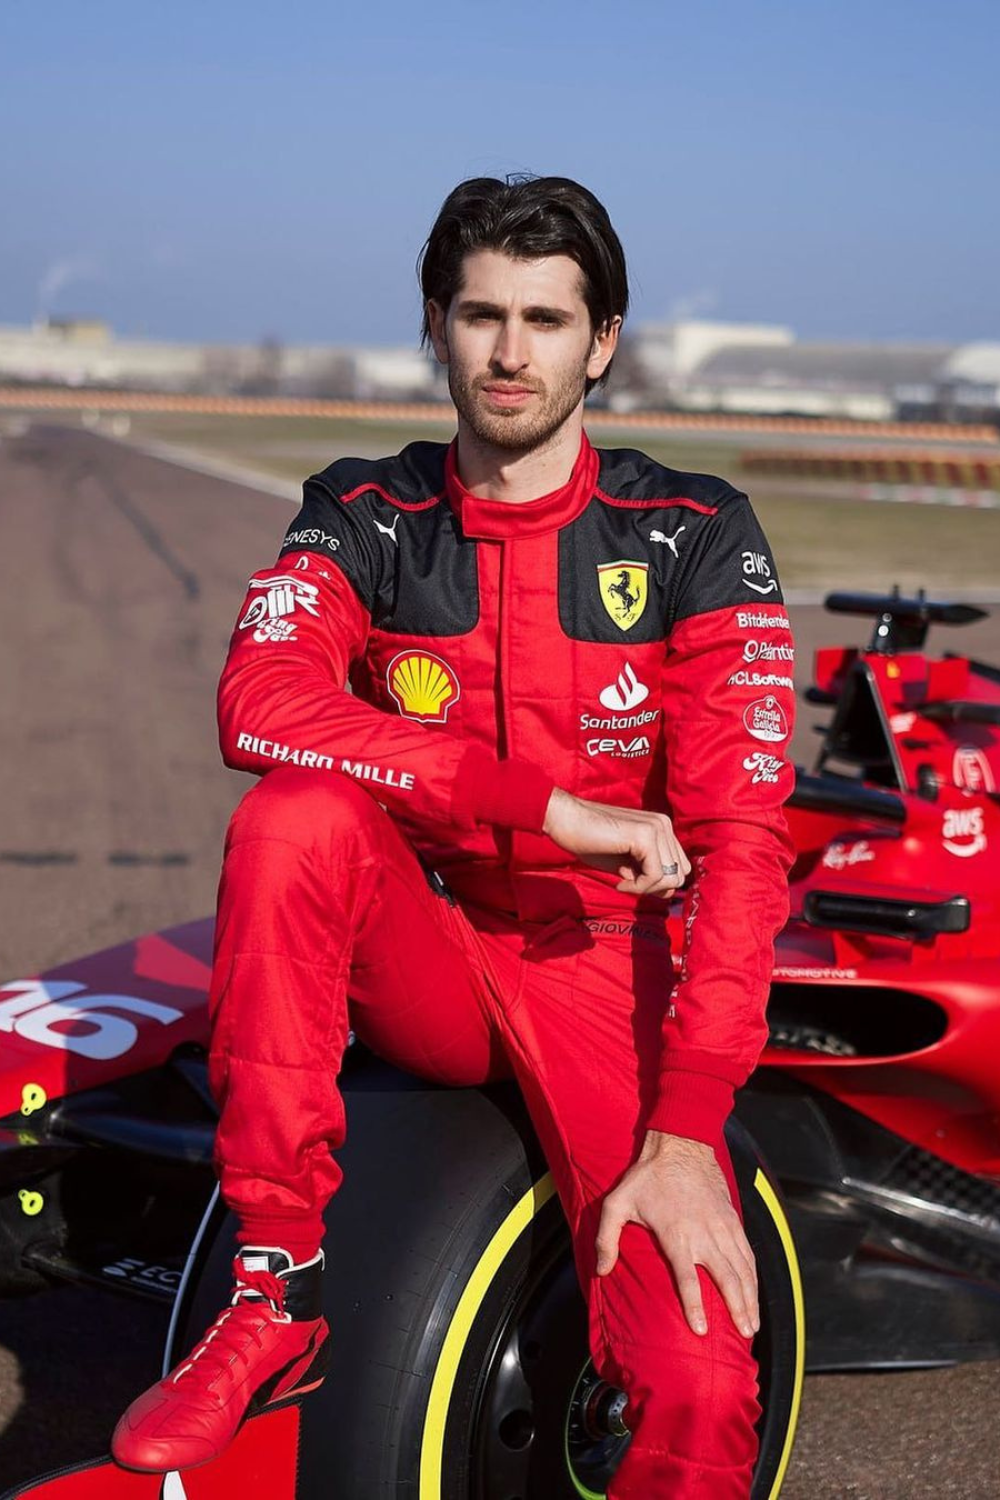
511 430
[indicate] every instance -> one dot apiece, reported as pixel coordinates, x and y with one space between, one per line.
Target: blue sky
227 170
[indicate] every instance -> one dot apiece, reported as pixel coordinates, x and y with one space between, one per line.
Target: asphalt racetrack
121 577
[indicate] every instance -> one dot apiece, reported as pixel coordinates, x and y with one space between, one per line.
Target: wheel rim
539 1408
522 1432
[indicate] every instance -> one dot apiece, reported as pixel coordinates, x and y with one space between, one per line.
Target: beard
512 430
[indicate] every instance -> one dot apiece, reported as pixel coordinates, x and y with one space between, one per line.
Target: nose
510 352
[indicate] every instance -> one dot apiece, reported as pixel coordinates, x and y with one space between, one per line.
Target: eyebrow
475 306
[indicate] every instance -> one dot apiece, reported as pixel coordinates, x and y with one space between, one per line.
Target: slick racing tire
459 1366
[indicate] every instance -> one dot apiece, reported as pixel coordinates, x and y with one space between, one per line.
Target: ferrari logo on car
623 591
423 685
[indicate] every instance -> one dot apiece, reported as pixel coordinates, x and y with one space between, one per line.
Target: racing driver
505 698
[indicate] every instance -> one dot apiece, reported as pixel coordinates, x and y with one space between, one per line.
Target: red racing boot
270 1343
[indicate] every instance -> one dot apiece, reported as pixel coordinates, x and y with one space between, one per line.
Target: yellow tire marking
766 1191
478 1284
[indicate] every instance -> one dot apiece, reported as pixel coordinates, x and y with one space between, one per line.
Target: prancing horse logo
623 590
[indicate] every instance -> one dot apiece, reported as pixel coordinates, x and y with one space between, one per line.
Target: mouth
508 396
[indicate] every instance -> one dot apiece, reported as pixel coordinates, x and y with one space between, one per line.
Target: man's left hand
677 1190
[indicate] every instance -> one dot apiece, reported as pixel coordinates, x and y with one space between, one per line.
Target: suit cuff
695 1105
506 793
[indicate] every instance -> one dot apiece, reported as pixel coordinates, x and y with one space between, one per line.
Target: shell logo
423 685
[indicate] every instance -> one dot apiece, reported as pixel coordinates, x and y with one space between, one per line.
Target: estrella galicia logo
765 720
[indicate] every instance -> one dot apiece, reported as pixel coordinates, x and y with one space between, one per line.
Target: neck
518 475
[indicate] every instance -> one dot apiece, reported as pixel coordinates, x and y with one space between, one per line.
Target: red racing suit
623 638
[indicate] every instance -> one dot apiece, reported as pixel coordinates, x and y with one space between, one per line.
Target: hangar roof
834 365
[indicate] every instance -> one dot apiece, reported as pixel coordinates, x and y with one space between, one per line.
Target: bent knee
299 805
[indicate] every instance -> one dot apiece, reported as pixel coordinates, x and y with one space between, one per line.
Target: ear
603 348
436 317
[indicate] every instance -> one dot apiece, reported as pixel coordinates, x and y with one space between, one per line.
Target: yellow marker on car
33 1097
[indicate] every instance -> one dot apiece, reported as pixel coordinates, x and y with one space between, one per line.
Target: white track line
216 468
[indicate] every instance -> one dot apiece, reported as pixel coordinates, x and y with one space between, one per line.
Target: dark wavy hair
527 217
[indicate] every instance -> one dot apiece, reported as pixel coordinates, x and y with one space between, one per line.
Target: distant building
762 369
970 389
399 373
853 381
84 352
753 368
669 352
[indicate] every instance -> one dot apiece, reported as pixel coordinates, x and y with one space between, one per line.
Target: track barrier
954 470
60 398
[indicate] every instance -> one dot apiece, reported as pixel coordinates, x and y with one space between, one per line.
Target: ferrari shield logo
623 591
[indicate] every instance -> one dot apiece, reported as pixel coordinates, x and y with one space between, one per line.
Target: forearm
716 1027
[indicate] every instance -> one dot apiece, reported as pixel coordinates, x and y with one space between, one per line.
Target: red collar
494 520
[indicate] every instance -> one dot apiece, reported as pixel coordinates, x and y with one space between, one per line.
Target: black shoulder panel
326 526
622 561
411 477
627 474
386 525
729 563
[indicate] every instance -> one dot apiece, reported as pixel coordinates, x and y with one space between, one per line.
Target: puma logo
669 541
389 531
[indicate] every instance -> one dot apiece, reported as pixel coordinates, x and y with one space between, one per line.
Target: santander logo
628 692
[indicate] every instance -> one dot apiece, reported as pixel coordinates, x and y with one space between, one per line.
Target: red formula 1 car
460 1366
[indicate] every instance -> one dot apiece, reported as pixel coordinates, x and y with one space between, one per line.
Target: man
552 706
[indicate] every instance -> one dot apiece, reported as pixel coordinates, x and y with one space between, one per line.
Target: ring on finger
670 869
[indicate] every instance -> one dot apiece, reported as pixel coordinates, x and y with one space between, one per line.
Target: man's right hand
636 844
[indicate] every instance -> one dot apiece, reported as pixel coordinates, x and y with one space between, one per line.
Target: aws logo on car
963 831
424 686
